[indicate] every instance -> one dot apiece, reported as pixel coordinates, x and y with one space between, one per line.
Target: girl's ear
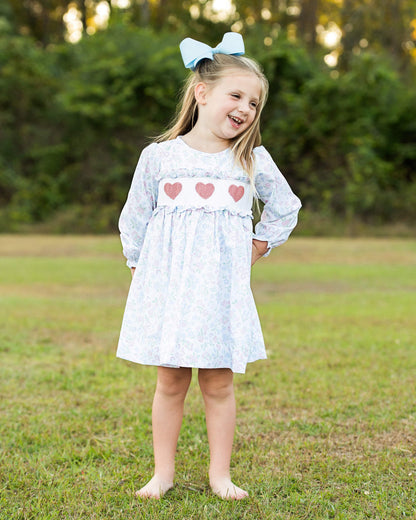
201 93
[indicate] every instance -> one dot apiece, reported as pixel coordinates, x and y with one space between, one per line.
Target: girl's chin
234 131
229 132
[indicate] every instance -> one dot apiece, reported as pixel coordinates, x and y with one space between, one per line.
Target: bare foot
155 488
224 488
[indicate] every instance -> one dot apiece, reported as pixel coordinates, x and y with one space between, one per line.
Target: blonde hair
209 72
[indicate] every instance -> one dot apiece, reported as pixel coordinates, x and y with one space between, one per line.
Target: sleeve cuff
131 263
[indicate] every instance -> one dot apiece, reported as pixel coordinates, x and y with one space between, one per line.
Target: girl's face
229 107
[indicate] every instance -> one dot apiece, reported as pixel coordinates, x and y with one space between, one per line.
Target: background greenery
325 425
74 117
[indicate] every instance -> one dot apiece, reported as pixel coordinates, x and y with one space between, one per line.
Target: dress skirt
190 303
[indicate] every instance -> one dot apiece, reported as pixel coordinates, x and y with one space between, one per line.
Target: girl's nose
244 107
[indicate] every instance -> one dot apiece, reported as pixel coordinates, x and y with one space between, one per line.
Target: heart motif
173 190
236 192
204 190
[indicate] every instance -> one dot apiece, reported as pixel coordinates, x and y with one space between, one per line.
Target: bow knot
194 51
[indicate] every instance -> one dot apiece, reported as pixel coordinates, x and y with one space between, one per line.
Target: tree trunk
308 19
45 26
145 13
83 9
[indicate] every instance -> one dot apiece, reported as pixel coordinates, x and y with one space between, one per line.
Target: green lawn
326 426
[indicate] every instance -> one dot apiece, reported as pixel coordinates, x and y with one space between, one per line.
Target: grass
326 426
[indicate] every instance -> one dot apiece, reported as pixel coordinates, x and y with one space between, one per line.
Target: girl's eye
237 96
253 104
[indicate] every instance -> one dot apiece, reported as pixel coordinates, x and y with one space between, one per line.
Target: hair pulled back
209 72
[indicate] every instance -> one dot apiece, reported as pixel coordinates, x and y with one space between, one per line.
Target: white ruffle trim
206 209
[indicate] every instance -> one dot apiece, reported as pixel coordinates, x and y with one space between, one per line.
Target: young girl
187 235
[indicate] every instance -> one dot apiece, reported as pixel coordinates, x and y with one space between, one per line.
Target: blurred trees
43 20
376 24
385 25
73 118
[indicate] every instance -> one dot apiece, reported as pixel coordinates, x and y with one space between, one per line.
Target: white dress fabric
190 303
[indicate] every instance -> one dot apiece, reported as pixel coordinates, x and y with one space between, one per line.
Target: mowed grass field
326 426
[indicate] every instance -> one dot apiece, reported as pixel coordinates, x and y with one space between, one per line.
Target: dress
190 303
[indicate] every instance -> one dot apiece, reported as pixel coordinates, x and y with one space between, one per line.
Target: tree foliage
73 118
387 24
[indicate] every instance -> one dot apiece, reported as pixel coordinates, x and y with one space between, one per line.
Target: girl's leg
218 392
171 388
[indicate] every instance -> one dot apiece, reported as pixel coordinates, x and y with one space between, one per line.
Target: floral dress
187 228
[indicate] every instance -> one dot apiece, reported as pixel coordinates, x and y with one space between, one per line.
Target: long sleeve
281 205
141 202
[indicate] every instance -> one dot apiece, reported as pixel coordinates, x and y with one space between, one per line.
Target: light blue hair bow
194 51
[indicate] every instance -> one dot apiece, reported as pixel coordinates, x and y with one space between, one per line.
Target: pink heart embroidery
236 192
204 190
173 190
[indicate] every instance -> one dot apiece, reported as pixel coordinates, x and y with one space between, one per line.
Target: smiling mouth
236 121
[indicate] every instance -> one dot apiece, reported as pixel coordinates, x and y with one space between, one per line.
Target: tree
385 26
41 20
307 21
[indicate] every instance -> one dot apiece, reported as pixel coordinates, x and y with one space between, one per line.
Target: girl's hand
132 269
258 250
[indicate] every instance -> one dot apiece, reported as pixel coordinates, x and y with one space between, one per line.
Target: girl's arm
138 209
281 205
